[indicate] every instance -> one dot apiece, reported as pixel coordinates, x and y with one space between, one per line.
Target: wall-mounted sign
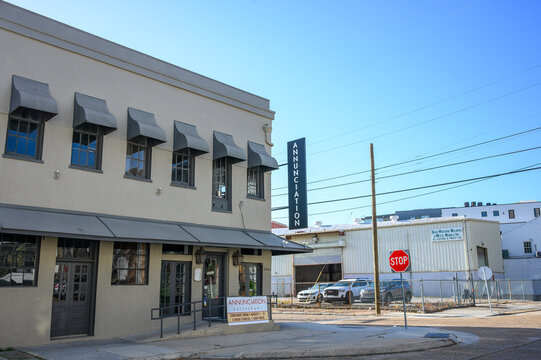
296 170
247 310
447 234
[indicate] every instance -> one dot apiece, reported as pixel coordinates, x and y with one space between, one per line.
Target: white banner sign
247 310
447 234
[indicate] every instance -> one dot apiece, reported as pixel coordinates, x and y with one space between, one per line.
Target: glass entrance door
74 288
71 299
214 286
175 287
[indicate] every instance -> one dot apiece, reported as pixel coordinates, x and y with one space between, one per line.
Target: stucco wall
25 314
67 73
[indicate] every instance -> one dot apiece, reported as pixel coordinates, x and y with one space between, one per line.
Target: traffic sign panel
399 260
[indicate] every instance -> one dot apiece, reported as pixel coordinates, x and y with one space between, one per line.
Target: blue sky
413 77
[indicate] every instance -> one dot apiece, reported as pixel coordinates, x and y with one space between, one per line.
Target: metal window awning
224 146
91 110
186 137
258 157
142 123
78 225
31 94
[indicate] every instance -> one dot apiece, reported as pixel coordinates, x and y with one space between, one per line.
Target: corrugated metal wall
425 255
282 265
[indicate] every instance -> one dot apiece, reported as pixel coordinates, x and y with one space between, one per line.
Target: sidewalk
293 340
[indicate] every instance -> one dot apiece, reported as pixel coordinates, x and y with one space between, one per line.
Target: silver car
315 293
345 290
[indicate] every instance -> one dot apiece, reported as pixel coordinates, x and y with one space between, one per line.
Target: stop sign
399 260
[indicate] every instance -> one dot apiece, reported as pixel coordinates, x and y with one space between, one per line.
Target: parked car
390 291
346 290
315 293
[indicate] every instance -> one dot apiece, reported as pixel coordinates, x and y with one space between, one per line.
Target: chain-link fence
425 294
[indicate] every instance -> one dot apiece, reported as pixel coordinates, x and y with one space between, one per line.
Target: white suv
345 290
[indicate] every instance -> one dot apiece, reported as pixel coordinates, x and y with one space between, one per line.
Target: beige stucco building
126 184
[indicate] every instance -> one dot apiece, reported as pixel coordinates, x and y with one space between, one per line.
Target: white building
440 248
508 215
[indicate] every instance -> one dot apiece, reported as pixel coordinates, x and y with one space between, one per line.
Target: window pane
18 260
129 264
21 146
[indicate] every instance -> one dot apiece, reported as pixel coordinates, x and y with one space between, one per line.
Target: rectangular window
221 184
177 249
25 134
527 247
19 255
511 214
455 214
76 249
183 168
250 279
130 264
138 158
483 214
86 146
496 213
256 180
536 212
256 252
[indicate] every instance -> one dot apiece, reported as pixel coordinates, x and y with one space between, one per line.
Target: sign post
296 171
485 273
400 262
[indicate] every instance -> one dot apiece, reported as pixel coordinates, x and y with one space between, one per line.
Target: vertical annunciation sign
296 169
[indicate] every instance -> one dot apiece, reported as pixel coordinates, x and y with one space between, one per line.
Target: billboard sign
296 171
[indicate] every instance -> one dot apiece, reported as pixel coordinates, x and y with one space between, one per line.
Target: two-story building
126 183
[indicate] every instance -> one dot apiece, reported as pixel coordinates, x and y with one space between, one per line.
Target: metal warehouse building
440 248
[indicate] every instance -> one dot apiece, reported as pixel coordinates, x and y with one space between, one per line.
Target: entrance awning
224 146
91 110
258 157
31 94
142 123
151 231
79 225
186 137
51 223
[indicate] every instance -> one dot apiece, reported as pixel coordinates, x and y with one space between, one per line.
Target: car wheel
319 299
349 298
388 298
408 298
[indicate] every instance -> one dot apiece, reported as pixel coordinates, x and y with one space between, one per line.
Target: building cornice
52 32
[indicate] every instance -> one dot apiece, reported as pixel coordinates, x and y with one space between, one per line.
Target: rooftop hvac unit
466 204
473 203
479 203
505 254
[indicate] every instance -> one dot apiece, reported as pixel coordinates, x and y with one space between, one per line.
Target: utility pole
377 299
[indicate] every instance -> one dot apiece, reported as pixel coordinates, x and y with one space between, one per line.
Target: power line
414 188
422 170
424 157
429 120
430 105
405 198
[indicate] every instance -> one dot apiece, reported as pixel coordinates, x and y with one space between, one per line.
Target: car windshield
343 283
318 286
